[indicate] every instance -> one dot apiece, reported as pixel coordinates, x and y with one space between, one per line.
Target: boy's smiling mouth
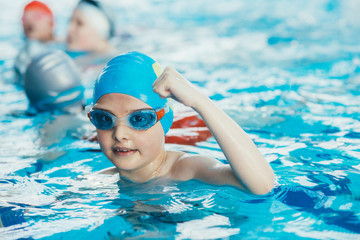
123 151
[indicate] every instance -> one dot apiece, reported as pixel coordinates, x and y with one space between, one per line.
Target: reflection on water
287 71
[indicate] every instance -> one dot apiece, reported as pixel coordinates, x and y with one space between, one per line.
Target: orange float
187 129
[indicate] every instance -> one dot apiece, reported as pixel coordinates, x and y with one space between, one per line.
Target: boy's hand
172 84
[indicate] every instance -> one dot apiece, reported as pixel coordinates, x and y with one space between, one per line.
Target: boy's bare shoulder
186 158
185 166
204 168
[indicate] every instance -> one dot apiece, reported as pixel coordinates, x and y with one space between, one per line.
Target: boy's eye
103 121
141 119
105 118
138 118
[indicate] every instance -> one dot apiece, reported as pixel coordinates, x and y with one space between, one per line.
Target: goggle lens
101 119
143 119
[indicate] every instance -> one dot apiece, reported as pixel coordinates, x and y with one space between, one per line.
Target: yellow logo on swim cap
157 68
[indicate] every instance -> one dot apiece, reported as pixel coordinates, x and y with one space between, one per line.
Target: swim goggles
141 119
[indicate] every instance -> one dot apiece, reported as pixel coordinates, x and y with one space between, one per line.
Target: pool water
287 71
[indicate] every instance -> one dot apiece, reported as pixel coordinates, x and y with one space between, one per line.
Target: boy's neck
153 170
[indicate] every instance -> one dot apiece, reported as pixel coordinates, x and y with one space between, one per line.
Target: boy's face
37 25
128 149
82 36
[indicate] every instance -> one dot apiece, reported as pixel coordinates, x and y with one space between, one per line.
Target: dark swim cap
52 82
133 74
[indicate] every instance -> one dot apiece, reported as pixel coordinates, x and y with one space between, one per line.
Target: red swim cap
38 6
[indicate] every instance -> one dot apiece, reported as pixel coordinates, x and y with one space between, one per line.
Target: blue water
287 71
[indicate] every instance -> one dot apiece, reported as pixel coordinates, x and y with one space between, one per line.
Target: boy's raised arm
248 164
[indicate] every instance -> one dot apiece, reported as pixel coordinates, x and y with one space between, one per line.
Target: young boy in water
132 115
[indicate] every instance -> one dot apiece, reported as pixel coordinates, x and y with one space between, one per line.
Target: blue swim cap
133 74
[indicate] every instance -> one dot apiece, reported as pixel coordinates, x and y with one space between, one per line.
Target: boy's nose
120 132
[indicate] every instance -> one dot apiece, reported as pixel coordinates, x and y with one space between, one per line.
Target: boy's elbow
265 187
263 190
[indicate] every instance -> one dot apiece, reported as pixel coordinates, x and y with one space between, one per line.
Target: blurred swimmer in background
53 86
89 34
38 22
90 30
38 27
53 83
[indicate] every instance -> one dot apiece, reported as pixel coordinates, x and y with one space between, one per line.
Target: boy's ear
88 114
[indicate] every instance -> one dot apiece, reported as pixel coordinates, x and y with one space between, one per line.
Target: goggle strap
160 114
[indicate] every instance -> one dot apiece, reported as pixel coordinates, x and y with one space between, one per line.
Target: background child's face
126 148
37 25
82 36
